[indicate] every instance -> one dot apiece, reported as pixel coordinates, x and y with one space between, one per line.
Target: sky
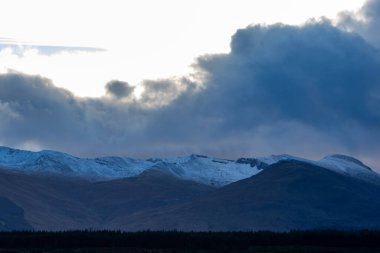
165 78
137 40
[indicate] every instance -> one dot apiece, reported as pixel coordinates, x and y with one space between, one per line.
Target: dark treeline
189 240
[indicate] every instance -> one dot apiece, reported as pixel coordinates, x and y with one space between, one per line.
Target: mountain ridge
199 168
193 192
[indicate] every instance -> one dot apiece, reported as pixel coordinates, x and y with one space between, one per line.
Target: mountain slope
48 190
51 203
59 203
350 166
286 195
12 216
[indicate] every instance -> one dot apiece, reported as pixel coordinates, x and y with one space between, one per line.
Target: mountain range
54 191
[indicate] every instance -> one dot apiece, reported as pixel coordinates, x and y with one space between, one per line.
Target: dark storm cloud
366 21
315 74
308 91
304 90
119 89
40 111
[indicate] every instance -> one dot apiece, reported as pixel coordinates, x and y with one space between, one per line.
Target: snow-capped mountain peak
211 171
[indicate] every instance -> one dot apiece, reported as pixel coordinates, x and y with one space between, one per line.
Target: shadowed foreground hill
58 203
287 195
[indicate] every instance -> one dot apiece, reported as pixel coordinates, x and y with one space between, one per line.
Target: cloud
162 92
365 22
119 89
306 90
19 48
314 74
284 89
45 113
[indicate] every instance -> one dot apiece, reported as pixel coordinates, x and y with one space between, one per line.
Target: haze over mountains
49 190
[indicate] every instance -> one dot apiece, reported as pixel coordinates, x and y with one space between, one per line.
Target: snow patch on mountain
272 159
203 169
341 164
52 162
349 166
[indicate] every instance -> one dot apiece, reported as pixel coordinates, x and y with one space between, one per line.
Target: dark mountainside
285 196
12 216
55 203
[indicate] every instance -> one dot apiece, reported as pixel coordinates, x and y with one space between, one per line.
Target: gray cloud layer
308 91
366 21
